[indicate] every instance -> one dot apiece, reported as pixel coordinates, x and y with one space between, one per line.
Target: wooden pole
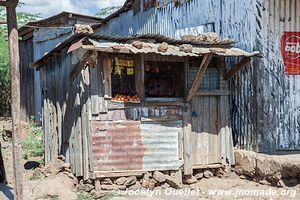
14 61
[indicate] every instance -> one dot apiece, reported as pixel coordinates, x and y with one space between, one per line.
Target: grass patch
111 195
84 196
37 174
32 145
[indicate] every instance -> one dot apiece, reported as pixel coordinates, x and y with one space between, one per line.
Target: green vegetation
32 145
37 174
84 196
23 18
104 12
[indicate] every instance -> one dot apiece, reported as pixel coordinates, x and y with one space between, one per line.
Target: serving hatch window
123 79
211 79
164 79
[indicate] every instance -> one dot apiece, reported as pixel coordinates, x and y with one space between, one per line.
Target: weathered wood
80 65
95 84
14 61
162 119
100 174
85 125
139 64
2 21
10 4
202 68
212 166
106 67
187 154
237 67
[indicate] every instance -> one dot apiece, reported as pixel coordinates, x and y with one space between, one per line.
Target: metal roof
151 42
54 20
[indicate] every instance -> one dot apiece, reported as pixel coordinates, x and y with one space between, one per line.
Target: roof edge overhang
116 44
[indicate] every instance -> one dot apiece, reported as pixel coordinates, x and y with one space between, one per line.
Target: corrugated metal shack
117 106
264 100
38 38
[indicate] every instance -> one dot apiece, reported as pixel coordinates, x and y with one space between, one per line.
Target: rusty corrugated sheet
132 145
117 146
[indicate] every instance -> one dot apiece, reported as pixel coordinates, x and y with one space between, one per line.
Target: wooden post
14 61
187 140
139 64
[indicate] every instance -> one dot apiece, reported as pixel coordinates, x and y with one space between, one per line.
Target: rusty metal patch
117 146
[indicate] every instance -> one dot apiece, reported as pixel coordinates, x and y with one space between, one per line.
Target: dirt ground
233 187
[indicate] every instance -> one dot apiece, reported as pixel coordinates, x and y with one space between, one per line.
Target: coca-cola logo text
292 47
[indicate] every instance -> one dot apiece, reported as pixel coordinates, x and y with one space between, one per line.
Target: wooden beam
14 61
203 66
80 65
9 4
187 141
237 67
139 71
106 67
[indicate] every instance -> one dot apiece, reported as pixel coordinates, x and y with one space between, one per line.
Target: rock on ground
130 181
272 168
173 182
121 180
208 174
159 177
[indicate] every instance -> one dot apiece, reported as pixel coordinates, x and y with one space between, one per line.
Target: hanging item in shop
123 65
290 49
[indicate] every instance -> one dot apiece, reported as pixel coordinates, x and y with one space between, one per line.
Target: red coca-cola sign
290 49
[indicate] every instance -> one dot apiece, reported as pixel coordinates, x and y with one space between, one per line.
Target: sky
51 7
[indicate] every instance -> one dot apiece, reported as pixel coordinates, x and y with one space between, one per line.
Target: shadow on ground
6 192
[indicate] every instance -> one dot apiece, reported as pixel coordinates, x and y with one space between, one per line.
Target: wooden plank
106 67
100 174
85 124
187 155
237 67
210 166
14 61
214 153
80 65
139 64
94 75
162 119
202 68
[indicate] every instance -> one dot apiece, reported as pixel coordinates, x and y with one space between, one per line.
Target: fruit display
126 98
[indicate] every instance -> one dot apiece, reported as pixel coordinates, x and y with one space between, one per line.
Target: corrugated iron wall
264 101
277 94
135 145
165 20
44 40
